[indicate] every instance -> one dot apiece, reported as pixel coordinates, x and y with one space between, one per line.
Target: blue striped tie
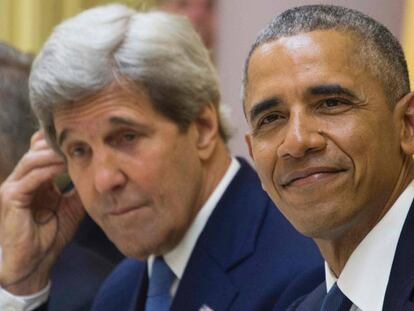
159 289
335 300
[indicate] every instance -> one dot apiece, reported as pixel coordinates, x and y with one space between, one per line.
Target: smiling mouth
310 176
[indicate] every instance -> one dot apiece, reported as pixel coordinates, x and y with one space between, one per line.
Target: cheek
84 188
265 158
355 143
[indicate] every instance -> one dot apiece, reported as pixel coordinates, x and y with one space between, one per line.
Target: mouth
309 176
124 210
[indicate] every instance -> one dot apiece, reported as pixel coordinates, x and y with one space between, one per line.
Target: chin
134 250
142 248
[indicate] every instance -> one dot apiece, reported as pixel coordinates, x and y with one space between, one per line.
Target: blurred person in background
201 13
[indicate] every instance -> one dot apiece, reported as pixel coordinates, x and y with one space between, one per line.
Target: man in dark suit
131 101
76 265
244 259
327 96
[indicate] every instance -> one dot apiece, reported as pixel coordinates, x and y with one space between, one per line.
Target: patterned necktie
335 300
159 289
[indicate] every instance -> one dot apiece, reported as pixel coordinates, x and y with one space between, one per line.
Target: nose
108 176
302 136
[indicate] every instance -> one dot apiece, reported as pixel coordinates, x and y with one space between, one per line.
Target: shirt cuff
10 302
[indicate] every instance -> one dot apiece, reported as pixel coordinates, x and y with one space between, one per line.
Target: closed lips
305 173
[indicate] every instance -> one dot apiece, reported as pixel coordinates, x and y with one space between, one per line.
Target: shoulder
274 234
248 234
75 267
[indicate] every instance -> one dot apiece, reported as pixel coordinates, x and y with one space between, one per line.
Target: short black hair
380 48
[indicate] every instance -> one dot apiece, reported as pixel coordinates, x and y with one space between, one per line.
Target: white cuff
10 302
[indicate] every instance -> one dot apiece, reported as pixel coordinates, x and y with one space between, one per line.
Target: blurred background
228 28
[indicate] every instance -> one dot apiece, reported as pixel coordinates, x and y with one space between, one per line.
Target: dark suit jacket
243 260
91 236
76 278
399 295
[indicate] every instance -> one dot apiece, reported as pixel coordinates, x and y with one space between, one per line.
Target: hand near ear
36 220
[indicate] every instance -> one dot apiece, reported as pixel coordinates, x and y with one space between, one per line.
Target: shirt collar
365 276
177 258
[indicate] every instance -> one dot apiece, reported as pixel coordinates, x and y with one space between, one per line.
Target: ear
207 127
248 140
404 112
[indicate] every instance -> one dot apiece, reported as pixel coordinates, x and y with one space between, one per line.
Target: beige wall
26 24
239 22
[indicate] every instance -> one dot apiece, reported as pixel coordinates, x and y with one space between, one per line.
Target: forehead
113 101
326 56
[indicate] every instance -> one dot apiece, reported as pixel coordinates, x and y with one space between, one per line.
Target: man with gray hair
131 102
327 97
76 265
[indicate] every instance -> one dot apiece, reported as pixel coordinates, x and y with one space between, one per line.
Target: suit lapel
401 282
228 238
204 283
310 302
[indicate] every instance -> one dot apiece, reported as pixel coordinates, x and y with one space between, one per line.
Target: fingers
39 155
34 160
28 236
37 136
22 190
39 144
38 166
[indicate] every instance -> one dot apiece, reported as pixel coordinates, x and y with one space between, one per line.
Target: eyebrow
330 89
263 106
113 120
123 121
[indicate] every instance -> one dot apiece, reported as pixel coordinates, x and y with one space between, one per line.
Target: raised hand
36 221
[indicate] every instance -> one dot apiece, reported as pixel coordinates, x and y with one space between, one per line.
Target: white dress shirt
176 259
9 302
365 276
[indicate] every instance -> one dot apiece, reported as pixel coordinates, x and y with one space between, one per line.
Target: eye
77 151
123 138
334 105
333 102
129 136
269 118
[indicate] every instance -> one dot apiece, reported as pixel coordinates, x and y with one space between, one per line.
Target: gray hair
159 52
17 123
378 47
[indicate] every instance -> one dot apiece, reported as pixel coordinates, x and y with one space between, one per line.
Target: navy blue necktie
335 300
159 289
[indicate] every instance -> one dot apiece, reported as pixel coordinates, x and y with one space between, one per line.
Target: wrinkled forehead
114 99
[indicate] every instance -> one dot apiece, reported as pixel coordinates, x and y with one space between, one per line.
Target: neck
214 169
336 251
